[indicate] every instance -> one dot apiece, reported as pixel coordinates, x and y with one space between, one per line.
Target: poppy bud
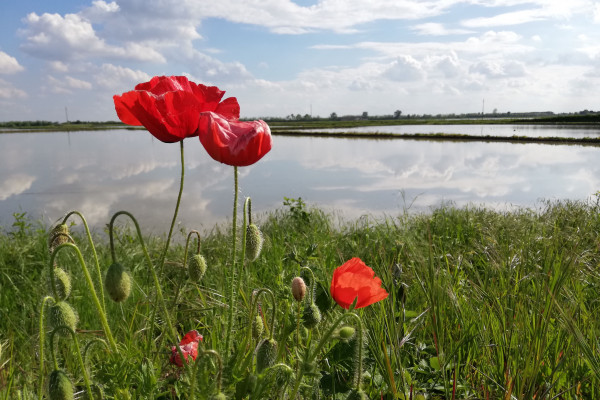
58 235
254 242
59 386
218 396
62 283
311 316
257 327
117 283
298 288
346 333
196 267
61 313
357 394
266 352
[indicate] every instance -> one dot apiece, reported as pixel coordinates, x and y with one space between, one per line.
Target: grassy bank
482 305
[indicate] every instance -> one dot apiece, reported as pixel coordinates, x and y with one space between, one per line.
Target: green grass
483 305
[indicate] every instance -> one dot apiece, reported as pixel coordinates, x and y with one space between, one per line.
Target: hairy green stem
41 350
232 284
326 337
253 307
91 242
185 258
164 254
159 294
88 278
86 379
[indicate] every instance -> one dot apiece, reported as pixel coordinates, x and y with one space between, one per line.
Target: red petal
234 142
355 279
229 108
191 336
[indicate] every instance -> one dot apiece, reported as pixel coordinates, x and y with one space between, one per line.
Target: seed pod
347 333
62 283
58 235
117 283
311 316
266 352
357 395
254 242
257 327
59 386
196 267
61 313
298 288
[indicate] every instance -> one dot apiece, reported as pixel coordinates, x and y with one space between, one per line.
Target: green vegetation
482 305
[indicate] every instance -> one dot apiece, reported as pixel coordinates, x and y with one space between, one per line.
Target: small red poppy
354 279
188 346
170 106
234 143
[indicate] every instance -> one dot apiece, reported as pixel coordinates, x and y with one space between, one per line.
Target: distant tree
298 117
333 116
365 115
306 117
397 114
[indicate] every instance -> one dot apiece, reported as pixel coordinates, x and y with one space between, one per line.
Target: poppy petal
354 280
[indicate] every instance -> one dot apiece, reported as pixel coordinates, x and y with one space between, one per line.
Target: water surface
101 172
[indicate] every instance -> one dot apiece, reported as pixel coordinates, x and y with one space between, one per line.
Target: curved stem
185 258
217 356
89 344
273 311
41 350
86 379
325 339
164 254
88 278
313 283
91 242
232 284
159 294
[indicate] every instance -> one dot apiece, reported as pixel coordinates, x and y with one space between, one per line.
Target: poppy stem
234 262
41 350
86 379
90 283
164 254
89 237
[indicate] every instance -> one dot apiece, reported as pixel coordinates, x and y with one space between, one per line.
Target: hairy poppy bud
257 327
61 313
117 283
59 386
62 283
266 352
346 333
254 242
196 267
357 394
311 316
58 235
298 288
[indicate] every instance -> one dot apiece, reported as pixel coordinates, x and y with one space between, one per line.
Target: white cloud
119 79
405 68
53 37
15 184
435 29
8 64
596 13
499 69
8 91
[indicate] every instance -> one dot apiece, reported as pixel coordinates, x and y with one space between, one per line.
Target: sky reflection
100 173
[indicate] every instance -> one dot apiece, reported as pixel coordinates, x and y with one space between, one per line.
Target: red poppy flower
234 143
188 346
355 279
170 106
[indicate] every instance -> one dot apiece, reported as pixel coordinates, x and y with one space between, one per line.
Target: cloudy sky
280 57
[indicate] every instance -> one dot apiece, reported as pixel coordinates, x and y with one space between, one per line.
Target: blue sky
281 57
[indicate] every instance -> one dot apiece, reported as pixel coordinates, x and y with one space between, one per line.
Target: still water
101 172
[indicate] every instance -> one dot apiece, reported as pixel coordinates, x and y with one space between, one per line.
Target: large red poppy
354 279
170 106
236 143
188 346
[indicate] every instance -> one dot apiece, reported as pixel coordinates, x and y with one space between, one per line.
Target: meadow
482 304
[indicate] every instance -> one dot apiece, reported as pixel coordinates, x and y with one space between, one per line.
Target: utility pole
67 114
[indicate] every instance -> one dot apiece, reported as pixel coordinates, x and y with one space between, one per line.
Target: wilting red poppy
170 106
188 346
355 279
234 143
